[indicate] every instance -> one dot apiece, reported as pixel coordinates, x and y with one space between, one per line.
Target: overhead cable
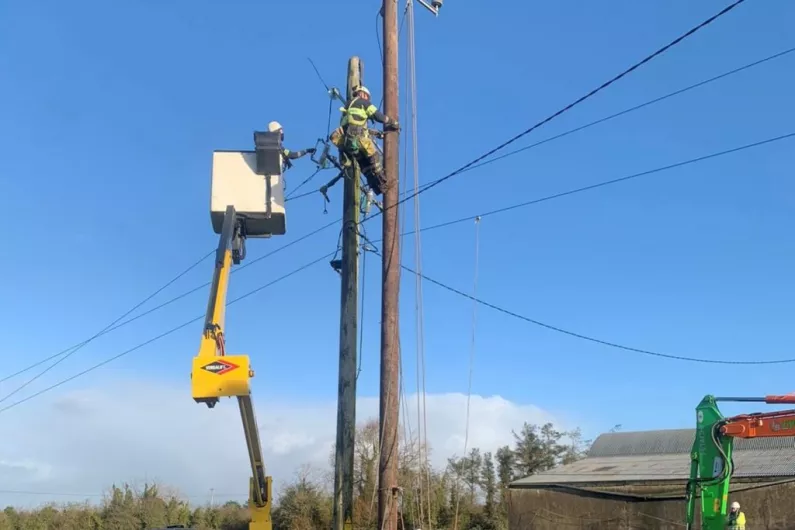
471 349
604 119
612 181
174 299
442 225
77 347
474 166
600 184
291 196
570 106
588 338
164 334
636 107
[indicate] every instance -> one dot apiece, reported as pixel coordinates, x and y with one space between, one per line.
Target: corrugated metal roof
664 455
672 441
649 468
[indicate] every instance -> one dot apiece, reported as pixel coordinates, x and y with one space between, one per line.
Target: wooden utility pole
390 268
346 390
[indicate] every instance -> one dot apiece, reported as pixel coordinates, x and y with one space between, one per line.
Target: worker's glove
311 150
392 125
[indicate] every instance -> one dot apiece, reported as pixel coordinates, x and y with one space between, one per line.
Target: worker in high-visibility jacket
736 519
353 137
288 155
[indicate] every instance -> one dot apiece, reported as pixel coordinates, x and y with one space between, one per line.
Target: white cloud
82 441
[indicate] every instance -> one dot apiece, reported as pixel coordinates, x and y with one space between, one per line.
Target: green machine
711 464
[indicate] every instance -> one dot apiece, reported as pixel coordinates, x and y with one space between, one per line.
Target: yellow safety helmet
361 88
274 126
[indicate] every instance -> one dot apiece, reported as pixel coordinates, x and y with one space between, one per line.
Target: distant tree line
469 493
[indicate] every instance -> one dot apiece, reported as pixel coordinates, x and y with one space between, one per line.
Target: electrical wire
424 490
164 334
471 351
568 107
473 165
492 306
318 74
465 168
433 227
543 199
77 347
588 338
637 107
310 177
176 298
604 183
113 325
604 119
305 194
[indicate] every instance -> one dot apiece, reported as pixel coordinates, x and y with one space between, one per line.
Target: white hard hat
274 126
362 88
735 505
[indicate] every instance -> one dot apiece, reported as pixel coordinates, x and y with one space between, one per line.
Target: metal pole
390 340
346 390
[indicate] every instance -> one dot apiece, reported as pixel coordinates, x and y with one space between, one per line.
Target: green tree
537 449
473 486
302 506
488 481
119 510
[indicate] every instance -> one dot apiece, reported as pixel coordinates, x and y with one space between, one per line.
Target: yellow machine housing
215 375
218 377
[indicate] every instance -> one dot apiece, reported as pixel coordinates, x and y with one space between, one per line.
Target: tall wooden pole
390 340
346 390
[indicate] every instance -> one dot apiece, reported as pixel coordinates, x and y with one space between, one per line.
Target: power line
433 227
461 220
471 352
318 74
637 107
587 337
291 196
301 196
77 347
112 326
164 334
651 102
570 105
612 181
472 165
598 185
172 300
424 186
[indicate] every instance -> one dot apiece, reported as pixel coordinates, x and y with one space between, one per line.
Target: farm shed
636 480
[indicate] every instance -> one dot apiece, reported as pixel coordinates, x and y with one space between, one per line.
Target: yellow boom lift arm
216 374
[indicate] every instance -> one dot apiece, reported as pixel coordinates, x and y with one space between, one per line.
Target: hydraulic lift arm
215 374
711 464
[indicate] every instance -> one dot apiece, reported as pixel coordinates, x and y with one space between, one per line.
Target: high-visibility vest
737 521
356 115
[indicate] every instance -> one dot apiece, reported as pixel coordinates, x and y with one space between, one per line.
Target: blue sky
111 112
